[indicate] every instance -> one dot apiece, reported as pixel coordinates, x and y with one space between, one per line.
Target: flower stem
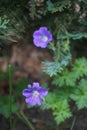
57 52
73 123
23 117
10 94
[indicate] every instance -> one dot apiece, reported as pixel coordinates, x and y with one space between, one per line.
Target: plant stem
57 51
10 94
23 117
73 123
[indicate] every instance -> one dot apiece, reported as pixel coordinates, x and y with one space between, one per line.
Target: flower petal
39 101
29 86
39 43
35 84
43 92
30 101
33 101
49 35
26 92
37 35
43 29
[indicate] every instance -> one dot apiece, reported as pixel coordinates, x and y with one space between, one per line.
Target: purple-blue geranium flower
42 37
34 94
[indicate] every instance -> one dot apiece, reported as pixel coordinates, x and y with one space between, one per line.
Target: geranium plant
69 78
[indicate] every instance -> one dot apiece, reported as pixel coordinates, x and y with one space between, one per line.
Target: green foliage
83 22
73 35
17 92
65 78
80 68
5 100
20 85
62 58
62 112
51 68
80 94
69 77
58 6
59 105
3 27
3 23
71 85
11 24
82 1
5 75
5 107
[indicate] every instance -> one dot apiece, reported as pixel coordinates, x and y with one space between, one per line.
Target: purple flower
42 37
34 94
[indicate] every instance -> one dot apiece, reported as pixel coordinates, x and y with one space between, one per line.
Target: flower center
35 94
44 38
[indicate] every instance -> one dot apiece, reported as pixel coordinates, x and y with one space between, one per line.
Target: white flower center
44 38
35 94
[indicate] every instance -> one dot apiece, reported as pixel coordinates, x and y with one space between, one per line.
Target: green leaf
51 68
3 23
50 101
5 106
66 78
62 112
80 94
73 35
58 6
58 102
20 85
80 67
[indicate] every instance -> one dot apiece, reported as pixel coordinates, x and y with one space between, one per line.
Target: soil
43 120
80 121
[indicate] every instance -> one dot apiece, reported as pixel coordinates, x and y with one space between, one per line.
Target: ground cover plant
55 26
